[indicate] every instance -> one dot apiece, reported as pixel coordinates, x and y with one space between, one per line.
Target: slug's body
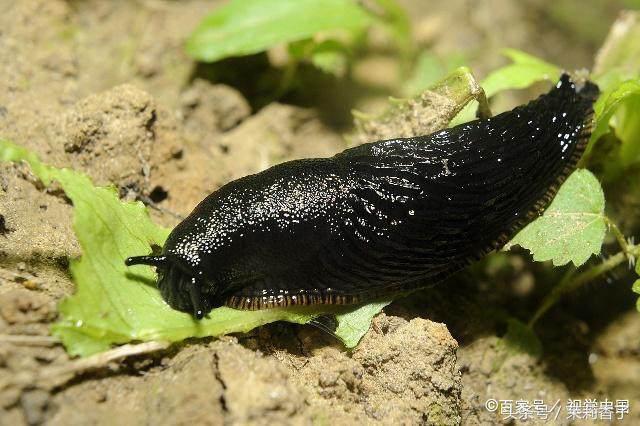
378 218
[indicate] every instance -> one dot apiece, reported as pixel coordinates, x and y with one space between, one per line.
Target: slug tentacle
158 261
200 304
378 218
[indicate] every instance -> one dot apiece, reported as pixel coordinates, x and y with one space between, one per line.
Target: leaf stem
552 297
569 283
622 241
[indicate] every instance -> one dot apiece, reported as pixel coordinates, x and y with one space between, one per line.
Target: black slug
378 218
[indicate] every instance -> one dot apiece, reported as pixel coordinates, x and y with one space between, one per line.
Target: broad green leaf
330 56
573 226
244 27
355 324
114 304
522 73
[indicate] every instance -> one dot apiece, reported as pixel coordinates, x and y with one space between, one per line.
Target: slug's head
179 288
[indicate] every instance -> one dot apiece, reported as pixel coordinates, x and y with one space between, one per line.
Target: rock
621 337
493 371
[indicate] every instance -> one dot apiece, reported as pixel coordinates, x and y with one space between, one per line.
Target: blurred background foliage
355 54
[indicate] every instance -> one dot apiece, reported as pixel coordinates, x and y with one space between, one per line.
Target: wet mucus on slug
379 218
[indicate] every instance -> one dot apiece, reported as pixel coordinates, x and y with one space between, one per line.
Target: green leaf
573 226
330 56
618 109
522 73
607 105
114 304
354 325
244 27
617 72
12 152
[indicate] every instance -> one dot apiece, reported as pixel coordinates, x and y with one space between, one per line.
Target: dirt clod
218 383
420 116
257 390
215 106
34 405
111 136
23 306
403 372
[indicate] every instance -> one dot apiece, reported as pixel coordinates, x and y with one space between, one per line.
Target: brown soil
104 87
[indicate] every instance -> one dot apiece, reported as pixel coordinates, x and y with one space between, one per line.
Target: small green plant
322 32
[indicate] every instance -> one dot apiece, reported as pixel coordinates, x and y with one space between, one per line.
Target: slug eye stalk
157 261
200 304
